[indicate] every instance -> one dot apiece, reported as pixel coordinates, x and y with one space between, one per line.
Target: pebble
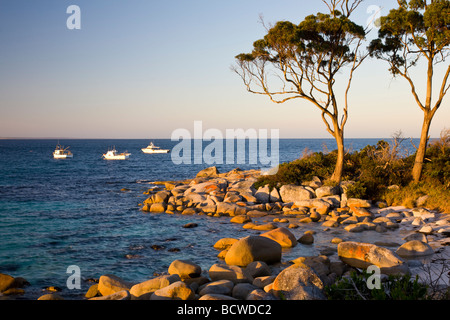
426 230
307 238
336 240
190 225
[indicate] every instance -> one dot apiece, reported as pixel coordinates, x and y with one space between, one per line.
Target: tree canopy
302 61
413 30
417 29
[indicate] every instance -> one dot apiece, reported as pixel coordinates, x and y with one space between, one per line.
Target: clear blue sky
143 68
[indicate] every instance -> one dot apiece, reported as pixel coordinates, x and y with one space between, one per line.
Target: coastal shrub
435 182
287 173
357 190
437 162
374 168
438 195
396 287
377 167
300 170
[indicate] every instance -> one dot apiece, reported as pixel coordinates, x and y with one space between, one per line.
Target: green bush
438 195
300 170
377 167
394 288
437 163
357 190
374 169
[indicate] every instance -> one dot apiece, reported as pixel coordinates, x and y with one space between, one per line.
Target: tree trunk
338 170
420 154
427 117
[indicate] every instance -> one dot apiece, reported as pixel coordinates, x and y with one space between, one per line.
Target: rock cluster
233 194
304 278
12 285
251 267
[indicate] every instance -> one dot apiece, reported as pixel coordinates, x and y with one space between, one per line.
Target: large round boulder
363 255
232 273
109 284
176 291
298 282
253 248
6 282
224 287
119 295
414 248
224 243
208 172
144 289
281 235
185 269
293 193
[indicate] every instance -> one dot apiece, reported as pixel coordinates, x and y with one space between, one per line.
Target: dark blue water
57 213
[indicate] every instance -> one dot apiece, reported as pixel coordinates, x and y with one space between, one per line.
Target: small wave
136 247
143 181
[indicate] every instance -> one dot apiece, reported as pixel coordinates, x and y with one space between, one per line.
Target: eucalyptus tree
417 30
305 61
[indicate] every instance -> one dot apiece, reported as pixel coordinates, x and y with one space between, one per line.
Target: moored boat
62 153
151 148
114 155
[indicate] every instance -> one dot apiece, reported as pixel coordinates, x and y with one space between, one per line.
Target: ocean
84 211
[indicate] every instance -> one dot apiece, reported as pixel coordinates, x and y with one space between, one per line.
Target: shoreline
278 215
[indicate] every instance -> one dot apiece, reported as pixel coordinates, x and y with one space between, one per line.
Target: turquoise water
57 213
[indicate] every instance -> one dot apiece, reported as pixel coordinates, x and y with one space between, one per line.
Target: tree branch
356 64
326 122
444 89
411 83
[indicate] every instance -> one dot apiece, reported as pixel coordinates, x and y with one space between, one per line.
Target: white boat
114 155
62 153
151 148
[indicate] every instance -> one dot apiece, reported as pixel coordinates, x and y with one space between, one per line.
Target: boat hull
155 151
118 157
62 156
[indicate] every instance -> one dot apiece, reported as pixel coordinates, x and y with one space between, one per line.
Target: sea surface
84 211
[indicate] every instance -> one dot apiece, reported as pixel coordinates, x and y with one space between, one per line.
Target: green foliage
373 169
326 35
377 167
394 288
437 20
437 164
402 288
435 181
304 169
305 60
357 190
421 28
438 195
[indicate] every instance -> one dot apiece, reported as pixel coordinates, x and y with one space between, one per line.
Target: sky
141 69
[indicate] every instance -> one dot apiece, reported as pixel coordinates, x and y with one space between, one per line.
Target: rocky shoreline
253 267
